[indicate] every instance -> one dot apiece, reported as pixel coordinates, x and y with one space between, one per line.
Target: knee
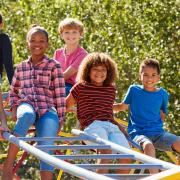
148 147
30 116
176 146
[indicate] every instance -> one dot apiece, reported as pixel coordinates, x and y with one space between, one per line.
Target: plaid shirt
41 85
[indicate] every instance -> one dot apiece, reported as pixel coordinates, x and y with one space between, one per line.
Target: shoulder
22 65
52 62
135 87
82 51
163 92
4 36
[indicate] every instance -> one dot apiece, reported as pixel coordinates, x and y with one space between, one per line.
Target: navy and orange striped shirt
93 103
41 85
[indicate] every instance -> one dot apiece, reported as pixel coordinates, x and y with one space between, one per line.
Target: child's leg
148 148
47 126
103 161
8 165
25 118
97 129
116 136
176 147
168 142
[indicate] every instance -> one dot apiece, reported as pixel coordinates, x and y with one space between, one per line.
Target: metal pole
67 167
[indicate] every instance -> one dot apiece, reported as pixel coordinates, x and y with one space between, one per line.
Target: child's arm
3 126
70 102
69 72
120 107
163 115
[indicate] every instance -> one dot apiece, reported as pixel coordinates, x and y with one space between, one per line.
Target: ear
81 34
61 36
1 25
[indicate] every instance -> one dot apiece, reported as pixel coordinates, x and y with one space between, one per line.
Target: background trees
128 30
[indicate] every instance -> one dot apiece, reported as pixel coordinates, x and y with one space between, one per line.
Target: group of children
42 88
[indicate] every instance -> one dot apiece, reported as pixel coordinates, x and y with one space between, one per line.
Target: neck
150 89
36 59
71 48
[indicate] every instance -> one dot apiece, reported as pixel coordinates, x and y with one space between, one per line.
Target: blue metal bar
65 166
120 166
139 156
98 156
55 147
76 138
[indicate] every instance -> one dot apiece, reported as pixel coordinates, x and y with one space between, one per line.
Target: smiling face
149 77
71 36
98 75
37 44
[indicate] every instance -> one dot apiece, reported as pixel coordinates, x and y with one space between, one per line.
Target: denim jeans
46 126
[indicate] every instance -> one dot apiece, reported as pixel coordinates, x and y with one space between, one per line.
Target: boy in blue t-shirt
147 110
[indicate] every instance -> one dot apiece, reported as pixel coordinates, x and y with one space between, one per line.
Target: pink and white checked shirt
41 85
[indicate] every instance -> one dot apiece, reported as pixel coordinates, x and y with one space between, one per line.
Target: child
5 53
70 57
94 95
37 96
3 126
148 108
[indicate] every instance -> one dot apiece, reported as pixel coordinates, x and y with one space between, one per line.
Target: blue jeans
46 126
107 131
68 87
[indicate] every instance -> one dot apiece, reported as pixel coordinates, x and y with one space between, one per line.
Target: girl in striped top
94 95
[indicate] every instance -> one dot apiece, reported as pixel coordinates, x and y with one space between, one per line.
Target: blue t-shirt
144 107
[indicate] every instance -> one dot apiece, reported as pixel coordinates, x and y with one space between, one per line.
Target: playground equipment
82 170
146 162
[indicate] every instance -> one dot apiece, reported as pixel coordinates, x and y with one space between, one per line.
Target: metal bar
67 167
141 157
55 147
76 138
98 156
120 166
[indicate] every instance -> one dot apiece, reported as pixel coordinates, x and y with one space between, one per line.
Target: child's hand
14 116
61 126
122 129
3 128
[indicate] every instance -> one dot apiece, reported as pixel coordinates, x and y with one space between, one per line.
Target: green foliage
128 30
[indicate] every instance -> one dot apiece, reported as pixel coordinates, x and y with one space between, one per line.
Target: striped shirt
41 85
93 103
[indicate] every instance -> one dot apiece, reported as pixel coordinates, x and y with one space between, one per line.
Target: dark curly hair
95 59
